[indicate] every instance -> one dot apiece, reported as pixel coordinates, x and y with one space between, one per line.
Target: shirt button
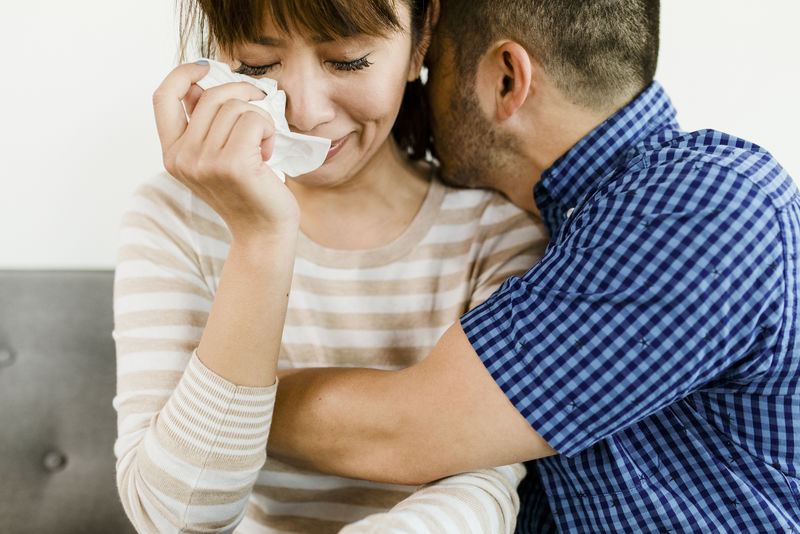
569 212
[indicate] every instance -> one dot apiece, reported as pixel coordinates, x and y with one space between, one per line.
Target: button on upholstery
54 461
6 357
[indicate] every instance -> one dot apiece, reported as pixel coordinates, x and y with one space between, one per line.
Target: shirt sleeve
479 502
189 443
650 291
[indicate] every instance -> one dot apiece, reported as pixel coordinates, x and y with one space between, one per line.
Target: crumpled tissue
294 154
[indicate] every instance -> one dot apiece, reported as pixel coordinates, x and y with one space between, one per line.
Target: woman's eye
358 64
250 70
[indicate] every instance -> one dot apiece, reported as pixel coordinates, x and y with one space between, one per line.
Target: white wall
734 65
77 132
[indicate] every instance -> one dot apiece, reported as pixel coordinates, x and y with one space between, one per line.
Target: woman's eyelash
260 70
358 64
250 70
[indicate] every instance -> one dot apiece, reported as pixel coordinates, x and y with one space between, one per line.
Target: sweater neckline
400 246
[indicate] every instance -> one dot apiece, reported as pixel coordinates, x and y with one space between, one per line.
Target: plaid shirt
654 345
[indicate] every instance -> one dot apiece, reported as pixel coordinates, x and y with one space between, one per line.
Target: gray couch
57 425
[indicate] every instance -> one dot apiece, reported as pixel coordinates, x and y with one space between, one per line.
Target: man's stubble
472 151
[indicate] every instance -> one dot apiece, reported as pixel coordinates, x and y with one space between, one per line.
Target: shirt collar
599 153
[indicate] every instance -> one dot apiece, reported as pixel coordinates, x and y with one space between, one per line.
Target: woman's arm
219 155
479 502
193 424
190 443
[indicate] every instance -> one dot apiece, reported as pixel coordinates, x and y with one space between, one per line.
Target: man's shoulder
716 160
679 186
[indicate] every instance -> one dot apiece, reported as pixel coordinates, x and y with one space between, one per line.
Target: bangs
232 22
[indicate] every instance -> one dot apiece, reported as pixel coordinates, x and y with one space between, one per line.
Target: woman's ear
424 41
508 70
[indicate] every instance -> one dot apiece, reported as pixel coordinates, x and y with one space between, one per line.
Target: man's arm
442 416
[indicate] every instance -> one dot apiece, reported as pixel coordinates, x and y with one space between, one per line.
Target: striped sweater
191 447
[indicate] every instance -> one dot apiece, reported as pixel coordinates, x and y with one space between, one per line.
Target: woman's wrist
241 340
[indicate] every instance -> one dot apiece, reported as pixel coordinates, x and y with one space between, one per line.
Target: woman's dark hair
223 24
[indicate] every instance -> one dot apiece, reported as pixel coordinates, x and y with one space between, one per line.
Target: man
648 363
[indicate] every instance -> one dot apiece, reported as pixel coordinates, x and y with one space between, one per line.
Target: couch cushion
56 386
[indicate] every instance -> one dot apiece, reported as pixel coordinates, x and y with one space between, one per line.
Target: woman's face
348 90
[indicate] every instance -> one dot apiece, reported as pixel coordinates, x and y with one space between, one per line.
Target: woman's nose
308 102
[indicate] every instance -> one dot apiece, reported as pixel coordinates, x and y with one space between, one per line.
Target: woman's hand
219 154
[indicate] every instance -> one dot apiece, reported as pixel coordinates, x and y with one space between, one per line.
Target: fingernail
201 62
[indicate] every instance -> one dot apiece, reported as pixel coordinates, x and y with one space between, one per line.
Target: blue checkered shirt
655 344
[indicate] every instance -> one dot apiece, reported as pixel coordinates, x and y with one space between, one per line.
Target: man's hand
442 416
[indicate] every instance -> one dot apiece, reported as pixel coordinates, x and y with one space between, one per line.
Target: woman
226 274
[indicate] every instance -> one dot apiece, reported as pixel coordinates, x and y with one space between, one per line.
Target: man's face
469 147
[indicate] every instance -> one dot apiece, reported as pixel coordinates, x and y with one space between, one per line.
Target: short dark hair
599 53
226 23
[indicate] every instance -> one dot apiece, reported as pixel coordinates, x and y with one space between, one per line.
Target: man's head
507 73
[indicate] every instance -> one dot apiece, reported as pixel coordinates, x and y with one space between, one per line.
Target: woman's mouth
336 146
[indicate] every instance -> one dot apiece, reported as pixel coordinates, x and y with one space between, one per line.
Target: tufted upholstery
57 426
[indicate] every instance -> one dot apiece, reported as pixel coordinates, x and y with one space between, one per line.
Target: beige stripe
454 249
435 251
356 259
205 456
276 466
152 284
218 415
148 380
457 247
521 220
143 221
375 321
158 196
141 404
191 416
460 216
444 515
357 496
374 288
215 229
369 357
290 523
180 491
360 259
126 345
157 318
241 395
212 264
489 263
155 256
146 524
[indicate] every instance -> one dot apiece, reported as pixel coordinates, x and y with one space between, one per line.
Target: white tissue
294 154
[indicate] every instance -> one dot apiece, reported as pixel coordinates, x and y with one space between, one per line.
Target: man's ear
421 48
508 69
